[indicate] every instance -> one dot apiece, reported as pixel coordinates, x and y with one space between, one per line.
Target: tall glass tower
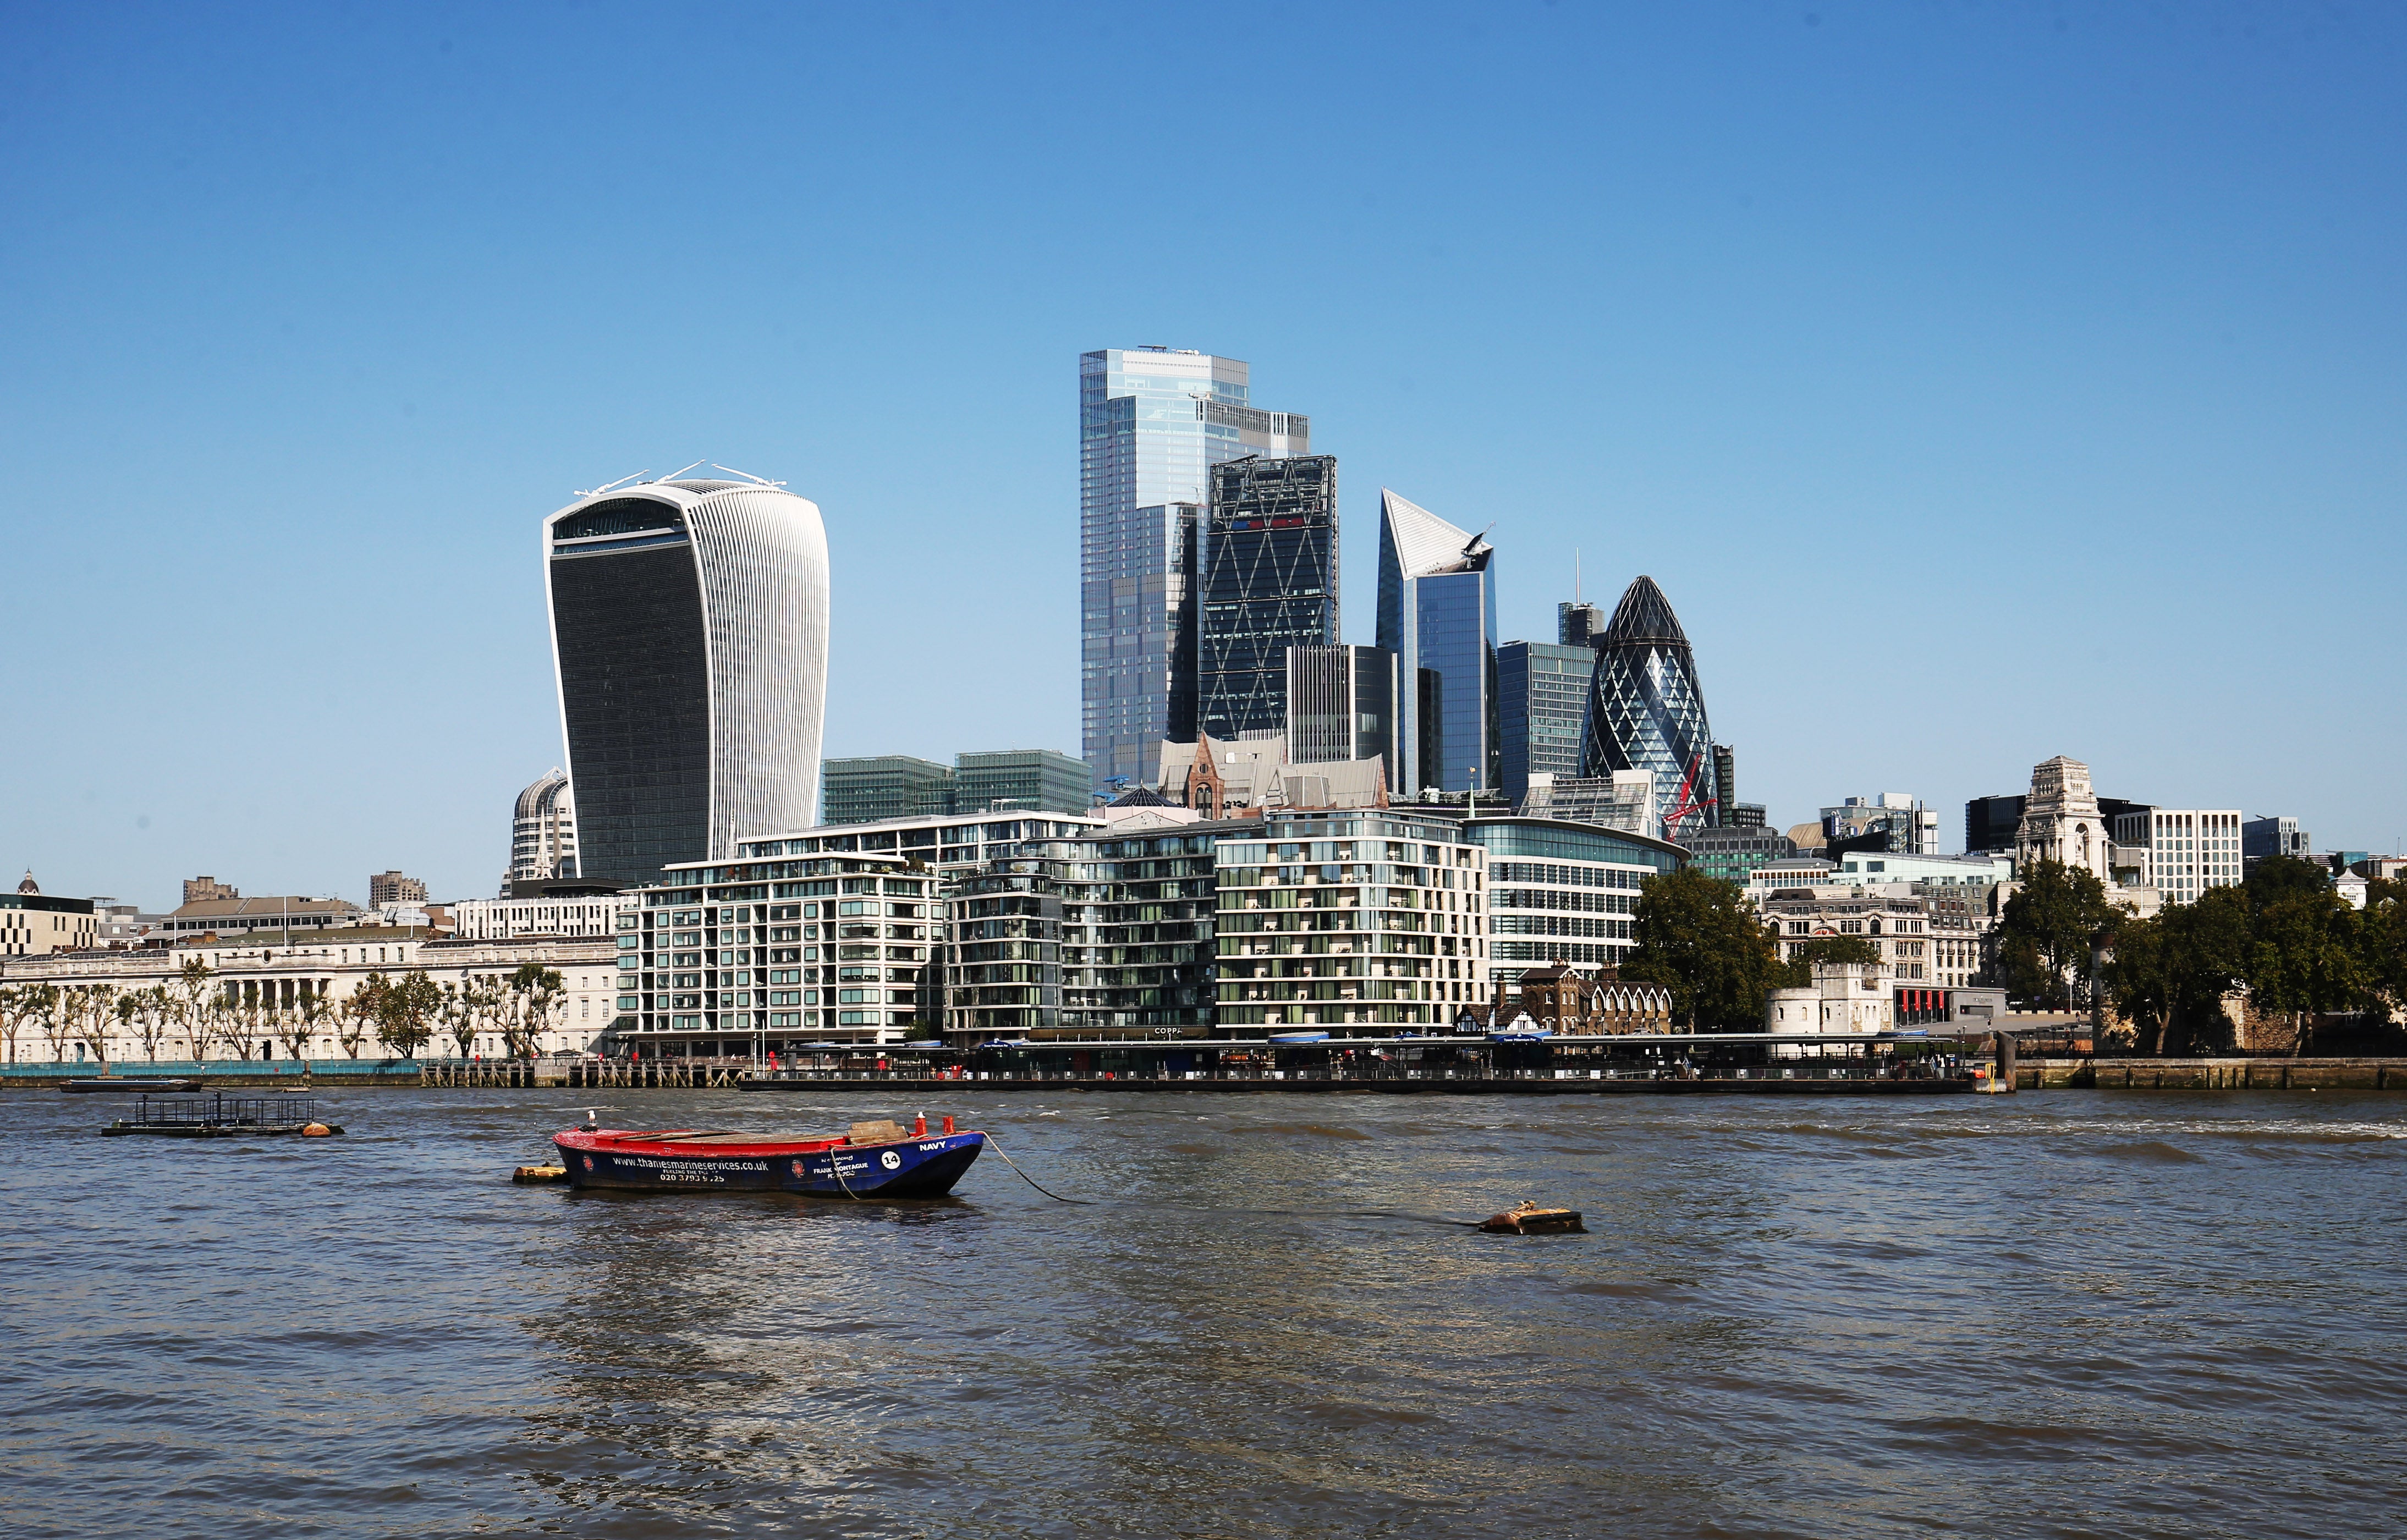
1270 584
1437 614
689 631
1152 422
1645 712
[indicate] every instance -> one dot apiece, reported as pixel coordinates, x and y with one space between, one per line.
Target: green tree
405 1016
362 1010
2049 928
187 997
20 1004
536 992
2382 946
1797 972
1699 937
95 1011
2305 956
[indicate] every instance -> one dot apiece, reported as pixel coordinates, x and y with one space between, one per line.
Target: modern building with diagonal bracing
1645 711
1270 583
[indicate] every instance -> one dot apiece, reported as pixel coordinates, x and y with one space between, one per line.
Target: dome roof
1644 615
539 799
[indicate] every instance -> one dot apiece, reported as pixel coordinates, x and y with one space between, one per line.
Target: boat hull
904 1168
126 1086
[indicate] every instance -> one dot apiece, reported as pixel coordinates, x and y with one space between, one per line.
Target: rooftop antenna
1575 581
746 474
621 482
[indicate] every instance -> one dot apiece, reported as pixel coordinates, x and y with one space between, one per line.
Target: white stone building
2179 851
1844 999
504 918
2061 821
257 1001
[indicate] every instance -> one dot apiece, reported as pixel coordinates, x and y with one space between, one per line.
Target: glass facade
690 626
1019 780
1341 705
634 690
1270 582
1437 613
885 786
1151 424
1541 693
1645 711
1561 892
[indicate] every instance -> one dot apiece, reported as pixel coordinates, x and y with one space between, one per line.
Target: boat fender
315 1130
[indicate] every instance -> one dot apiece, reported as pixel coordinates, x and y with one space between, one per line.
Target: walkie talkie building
690 633
1645 712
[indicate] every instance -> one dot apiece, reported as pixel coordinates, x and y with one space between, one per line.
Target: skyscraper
1541 693
690 631
1437 614
1270 583
1645 711
1578 624
1152 422
1341 705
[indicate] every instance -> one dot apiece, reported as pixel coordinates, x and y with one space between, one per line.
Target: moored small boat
139 1085
873 1160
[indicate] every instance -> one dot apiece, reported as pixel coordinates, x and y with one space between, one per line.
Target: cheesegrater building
689 635
1645 712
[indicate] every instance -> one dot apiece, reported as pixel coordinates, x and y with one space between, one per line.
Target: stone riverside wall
2212 1074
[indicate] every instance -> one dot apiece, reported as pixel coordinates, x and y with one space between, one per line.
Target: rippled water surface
2074 1313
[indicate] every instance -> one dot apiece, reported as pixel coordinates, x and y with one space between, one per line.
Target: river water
2070 1313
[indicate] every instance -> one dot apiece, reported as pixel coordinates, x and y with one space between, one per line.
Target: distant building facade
1341 703
1732 853
1891 821
2182 852
508 918
2061 821
1269 583
1562 891
1152 422
1623 800
543 833
690 630
2260 837
34 924
243 917
1647 712
1541 707
1437 614
199 889
389 889
898 786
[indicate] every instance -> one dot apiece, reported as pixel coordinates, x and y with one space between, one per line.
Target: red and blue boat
873 1160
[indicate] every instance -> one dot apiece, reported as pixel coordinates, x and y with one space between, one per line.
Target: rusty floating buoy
317 1131
1529 1219
534 1175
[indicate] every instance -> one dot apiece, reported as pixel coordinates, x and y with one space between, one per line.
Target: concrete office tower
1152 422
690 630
1645 711
388 888
1270 583
1541 705
1341 705
543 833
1437 614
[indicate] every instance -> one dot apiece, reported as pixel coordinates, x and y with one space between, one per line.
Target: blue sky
1980 382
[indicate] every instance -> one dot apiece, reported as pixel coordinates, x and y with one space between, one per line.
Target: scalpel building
690 631
1645 712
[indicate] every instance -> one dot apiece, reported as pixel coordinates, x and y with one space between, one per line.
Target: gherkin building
1645 712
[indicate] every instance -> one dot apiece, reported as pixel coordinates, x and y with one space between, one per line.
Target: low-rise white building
287 1002
503 918
1844 999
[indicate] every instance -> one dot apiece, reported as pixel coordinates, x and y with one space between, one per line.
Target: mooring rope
1031 1181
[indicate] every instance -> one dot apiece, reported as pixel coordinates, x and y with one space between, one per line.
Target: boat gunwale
675 1142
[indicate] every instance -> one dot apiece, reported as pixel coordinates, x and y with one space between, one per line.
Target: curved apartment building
689 636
